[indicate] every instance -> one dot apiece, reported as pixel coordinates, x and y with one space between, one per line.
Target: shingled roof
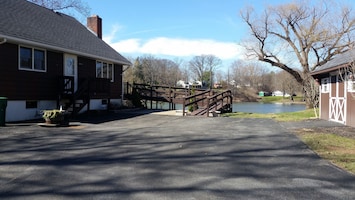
338 61
27 23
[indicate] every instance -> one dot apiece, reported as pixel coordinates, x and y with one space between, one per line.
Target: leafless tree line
255 75
151 70
156 71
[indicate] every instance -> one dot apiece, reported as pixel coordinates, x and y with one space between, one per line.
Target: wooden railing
66 85
161 93
195 101
223 100
92 85
206 102
200 101
87 88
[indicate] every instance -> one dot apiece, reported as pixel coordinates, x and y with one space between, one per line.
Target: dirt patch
344 131
341 150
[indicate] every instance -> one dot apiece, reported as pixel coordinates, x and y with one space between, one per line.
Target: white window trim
325 85
33 60
112 79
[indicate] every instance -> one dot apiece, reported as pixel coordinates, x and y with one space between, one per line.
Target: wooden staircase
73 102
205 111
207 103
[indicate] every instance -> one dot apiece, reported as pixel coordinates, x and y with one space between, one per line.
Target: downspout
123 70
4 40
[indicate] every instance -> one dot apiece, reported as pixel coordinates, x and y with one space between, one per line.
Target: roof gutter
125 69
328 70
27 42
4 40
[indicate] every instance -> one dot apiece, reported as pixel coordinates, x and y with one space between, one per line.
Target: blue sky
176 28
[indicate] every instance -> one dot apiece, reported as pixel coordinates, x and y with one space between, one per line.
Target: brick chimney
94 23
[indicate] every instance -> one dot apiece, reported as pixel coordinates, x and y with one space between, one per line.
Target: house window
32 59
325 85
104 70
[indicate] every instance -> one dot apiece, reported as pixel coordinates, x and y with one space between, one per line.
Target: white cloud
179 47
111 36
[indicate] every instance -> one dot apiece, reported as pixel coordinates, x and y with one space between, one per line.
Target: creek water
249 107
255 107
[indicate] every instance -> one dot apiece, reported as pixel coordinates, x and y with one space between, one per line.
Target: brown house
49 59
337 89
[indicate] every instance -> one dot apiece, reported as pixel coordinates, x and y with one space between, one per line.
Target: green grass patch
271 99
337 149
288 116
278 99
295 116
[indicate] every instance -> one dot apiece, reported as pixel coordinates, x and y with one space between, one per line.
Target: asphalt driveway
165 157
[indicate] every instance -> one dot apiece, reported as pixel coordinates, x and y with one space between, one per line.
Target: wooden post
231 103
174 95
151 97
183 107
170 99
208 107
223 99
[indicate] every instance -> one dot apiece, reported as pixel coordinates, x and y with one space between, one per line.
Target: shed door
337 100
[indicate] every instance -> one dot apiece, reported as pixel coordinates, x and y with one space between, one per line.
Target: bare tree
286 83
128 75
150 69
169 72
65 5
155 71
248 74
309 33
205 64
220 77
267 82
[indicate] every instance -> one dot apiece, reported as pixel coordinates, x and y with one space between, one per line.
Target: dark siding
116 86
8 69
28 85
18 84
87 70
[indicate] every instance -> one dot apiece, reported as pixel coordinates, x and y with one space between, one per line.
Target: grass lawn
277 99
338 149
288 116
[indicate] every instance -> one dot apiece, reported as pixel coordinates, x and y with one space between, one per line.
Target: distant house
49 59
183 84
197 84
337 89
186 84
278 93
217 85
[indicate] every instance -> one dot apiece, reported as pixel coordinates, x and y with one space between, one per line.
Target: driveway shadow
165 157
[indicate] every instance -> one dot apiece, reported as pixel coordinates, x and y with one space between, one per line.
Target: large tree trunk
311 91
